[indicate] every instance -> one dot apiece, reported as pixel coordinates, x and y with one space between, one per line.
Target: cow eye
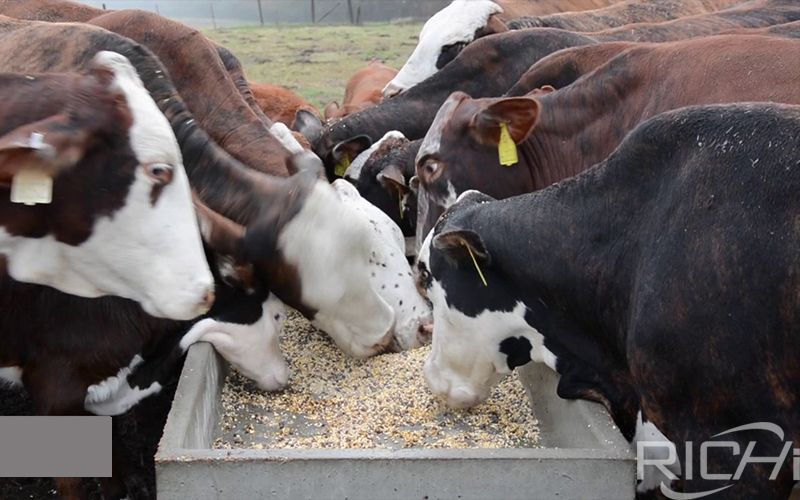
159 172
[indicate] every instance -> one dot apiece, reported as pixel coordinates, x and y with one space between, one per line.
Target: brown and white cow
491 65
451 29
560 133
95 199
296 227
193 64
363 90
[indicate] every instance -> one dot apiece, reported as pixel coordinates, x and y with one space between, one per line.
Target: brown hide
627 12
513 9
279 103
364 89
194 68
581 124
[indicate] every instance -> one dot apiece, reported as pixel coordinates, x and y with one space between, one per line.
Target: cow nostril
425 333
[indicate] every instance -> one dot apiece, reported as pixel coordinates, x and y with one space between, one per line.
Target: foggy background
228 13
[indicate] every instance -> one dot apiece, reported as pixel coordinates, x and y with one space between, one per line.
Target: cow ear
221 234
461 245
391 178
413 184
519 113
544 89
330 110
346 151
308 124
50 145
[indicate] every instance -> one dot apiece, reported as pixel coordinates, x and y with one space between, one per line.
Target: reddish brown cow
561 133
451 29
195 68
622 13
363 90
279 103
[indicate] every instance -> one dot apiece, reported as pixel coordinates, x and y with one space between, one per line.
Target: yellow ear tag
341 167
401 207
31 186
477 267
506 148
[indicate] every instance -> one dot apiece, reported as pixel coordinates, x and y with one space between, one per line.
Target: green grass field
316 61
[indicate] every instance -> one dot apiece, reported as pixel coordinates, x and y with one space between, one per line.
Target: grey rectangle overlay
55 446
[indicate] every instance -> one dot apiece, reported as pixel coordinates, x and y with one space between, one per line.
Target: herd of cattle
602 186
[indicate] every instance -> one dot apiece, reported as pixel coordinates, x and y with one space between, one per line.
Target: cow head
381 175
443 37
390 273
314 251
120 221
459 152
480 331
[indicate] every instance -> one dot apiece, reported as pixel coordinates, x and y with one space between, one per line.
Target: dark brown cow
622 13
451 29
94 199
195 68
363 90
563 132
506 57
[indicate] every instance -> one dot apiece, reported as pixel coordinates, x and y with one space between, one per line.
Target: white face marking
254 349
328 245
353 171
465 359
150 254
653 477
114 396
11 375
390 273
456 23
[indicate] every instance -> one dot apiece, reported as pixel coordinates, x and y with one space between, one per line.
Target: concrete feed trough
582 455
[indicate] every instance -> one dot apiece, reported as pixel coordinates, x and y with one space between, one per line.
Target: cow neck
505 56
575 254
223 183
580 125
214 100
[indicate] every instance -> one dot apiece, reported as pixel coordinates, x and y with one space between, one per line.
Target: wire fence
229 13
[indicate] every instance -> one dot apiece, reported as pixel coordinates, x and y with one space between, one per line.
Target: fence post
213 18
313 14
260 13
350 11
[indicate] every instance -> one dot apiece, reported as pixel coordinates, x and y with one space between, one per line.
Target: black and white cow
661 283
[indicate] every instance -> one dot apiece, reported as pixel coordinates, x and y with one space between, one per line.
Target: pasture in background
316 61
228 13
